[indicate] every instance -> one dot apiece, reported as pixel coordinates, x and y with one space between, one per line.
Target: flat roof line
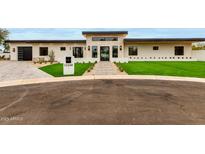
46 41
104 32
162 39
125 40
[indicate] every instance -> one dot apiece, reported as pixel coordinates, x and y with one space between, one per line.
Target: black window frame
155 48
94 51
131 51
76 50
179 50
63 48
43 51
104 38
68 60
115 55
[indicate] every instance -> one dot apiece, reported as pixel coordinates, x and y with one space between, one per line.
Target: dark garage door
24 53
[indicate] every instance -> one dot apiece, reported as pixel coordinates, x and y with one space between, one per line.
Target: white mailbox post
68 65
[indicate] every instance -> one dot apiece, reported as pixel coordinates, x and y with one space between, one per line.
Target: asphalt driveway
104 102
17 70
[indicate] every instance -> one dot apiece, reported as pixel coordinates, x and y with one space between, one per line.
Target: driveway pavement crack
16 101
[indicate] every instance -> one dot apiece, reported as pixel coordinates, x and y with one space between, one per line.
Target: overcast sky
76 33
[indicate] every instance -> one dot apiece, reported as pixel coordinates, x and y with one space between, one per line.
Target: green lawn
189 69
56 70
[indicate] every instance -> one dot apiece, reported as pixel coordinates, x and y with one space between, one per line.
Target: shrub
41 60
1 57
51 56
120 68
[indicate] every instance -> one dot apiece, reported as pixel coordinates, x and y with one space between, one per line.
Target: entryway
104 53
24 53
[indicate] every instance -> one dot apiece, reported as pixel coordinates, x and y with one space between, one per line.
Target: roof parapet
104 32
163 39
45 41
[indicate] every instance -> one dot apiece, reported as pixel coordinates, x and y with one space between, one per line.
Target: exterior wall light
120 48
13 50
88 48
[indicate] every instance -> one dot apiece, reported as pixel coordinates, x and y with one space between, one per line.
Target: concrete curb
98 77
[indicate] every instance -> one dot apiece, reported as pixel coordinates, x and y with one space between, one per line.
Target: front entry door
104 53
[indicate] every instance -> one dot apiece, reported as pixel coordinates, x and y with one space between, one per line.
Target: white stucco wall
145 51
51 46
166 52
6 55
199 54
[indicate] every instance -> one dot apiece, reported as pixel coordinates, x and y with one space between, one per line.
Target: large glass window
78 52
179 50
43 51
104 39
94 51
115 51
132 50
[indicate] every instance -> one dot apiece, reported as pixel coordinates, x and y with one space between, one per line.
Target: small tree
6 47
51 56
4 33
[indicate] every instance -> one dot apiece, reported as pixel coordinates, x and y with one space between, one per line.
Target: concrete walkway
105 68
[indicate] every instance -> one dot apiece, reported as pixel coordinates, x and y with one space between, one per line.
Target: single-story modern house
108 46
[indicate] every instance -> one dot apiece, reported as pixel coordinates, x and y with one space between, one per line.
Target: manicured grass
188 69
56 70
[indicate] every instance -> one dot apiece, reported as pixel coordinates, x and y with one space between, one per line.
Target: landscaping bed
174 68
56 70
